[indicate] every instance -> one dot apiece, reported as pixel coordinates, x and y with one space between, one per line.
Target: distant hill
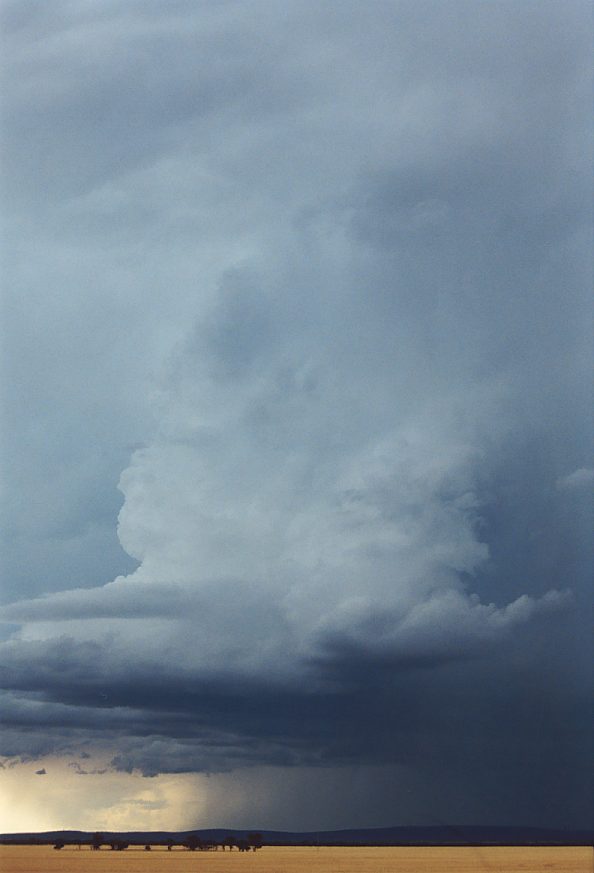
394 836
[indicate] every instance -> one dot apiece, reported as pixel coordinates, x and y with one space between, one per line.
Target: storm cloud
310 286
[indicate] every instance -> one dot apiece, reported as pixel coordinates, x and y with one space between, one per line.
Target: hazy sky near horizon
297 440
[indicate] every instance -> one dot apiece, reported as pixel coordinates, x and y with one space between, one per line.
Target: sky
296 441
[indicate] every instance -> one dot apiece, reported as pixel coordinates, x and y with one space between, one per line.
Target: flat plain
270 859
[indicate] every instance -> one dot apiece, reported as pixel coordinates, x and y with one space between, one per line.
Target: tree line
192 843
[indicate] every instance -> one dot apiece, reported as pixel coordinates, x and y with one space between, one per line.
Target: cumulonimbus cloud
277 541
344 268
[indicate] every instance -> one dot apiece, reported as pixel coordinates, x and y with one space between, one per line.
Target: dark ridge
394 836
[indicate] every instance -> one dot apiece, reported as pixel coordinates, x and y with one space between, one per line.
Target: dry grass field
43 859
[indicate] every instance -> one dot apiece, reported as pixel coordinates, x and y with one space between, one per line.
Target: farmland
517 859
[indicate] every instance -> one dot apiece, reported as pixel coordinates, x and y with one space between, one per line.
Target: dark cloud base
515 743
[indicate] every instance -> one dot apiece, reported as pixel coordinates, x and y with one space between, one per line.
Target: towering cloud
315 279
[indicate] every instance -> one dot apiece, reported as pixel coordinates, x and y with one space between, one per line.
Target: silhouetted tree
255 840
193 842
59 844
97 841
119 846
229 841
169 844
147 848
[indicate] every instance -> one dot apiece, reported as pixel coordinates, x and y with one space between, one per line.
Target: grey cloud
310 282
93 693
238 331
115 600
373 725
80 771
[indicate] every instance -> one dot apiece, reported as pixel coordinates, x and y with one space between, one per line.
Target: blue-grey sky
297 437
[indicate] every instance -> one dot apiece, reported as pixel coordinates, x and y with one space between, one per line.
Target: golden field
495 859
